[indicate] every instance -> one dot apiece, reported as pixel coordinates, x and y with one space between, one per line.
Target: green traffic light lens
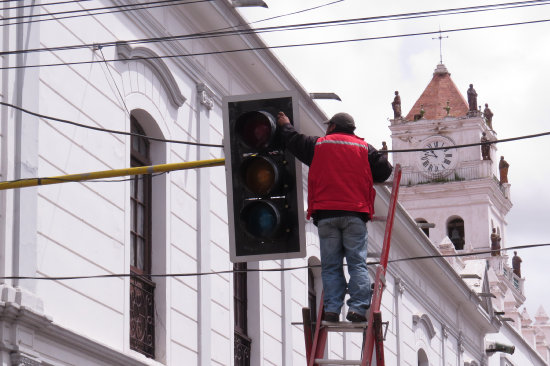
256 129
260 175
261 219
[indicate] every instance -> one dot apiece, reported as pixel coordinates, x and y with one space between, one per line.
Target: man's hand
282 119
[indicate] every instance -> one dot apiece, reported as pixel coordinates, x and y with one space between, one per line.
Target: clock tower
456 189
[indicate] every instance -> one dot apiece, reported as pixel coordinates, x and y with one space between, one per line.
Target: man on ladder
341 196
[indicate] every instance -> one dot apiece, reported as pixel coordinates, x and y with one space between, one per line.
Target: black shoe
355 317
331 317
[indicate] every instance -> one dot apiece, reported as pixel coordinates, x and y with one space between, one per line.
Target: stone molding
20 359
400 285
445 331
126 53
426 321
460 342
206 96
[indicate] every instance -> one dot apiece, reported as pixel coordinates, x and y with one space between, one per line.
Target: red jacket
340 175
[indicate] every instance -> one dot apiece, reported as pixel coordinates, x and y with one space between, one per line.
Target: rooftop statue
396 106
503 169
488 114
472 99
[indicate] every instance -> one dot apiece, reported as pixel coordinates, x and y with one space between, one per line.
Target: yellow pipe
30 182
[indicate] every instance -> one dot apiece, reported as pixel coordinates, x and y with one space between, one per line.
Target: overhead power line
259 48
55 119
123 8
472 144
106 129
284 269
42 4
228 31
110 9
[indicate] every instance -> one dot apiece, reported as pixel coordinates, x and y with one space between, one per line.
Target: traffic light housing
264 182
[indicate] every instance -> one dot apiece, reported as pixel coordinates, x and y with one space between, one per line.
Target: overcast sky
508 67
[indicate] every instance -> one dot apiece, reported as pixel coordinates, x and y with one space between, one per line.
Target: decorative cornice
206 96
460 342
400 285
19 359
127 53
43 326
424 319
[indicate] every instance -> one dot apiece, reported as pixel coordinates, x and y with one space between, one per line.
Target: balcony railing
242 350
481 171
142 316
447 175
513 278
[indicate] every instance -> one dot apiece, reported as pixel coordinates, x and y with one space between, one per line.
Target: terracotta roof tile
434 98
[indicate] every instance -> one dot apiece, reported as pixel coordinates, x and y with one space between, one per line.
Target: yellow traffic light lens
256 129
261 219
259 175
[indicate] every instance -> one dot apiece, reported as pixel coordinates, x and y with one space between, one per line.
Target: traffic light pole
151 169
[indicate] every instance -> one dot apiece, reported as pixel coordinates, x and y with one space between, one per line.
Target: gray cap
342 120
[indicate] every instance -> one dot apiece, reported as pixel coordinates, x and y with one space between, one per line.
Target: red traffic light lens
261 219
260 175
256 129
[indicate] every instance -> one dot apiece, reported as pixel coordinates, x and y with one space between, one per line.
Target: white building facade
176 224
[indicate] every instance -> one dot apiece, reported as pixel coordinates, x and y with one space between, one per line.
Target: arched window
422 358
455 232
142 298
425 228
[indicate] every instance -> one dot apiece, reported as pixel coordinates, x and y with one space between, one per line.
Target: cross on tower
440 53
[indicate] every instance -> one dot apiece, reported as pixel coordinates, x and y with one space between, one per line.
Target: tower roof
434 98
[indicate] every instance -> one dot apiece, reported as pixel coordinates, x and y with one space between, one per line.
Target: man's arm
301 146
380 167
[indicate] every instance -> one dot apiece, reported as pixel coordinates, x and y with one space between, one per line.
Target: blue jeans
341 237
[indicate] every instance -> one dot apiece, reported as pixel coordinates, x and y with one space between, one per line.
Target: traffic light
264 183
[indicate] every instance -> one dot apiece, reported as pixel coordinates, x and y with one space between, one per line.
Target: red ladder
315 343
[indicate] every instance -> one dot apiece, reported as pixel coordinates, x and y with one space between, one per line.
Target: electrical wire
219 145
41 4
112 7
285 269
232 31
122 9
101 13
113 79
295 12
107 130
214 33
259 48
472 144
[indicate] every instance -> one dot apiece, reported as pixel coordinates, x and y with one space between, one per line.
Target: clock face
439 161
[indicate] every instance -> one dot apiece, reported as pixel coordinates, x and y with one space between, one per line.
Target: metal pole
30 182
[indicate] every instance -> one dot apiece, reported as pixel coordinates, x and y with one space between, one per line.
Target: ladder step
324 361
344 326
